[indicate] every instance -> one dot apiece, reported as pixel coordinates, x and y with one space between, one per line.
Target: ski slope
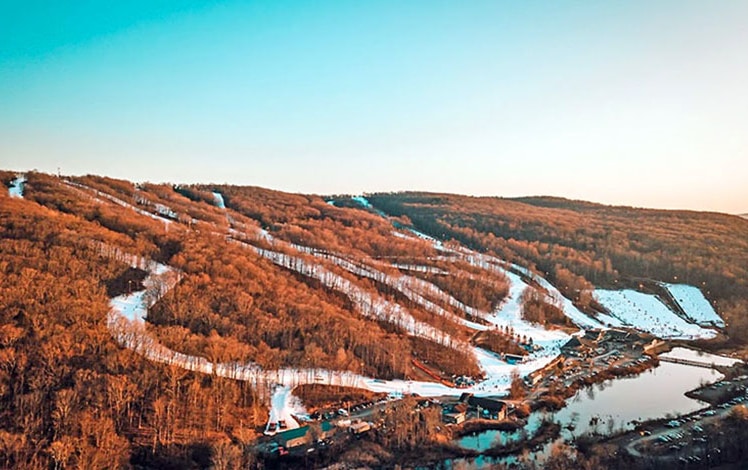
131 306
627 308
694 304
645 312
218 197
16 187
283 406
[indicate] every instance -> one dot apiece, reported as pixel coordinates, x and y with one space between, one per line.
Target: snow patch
363 201
16 187
218 197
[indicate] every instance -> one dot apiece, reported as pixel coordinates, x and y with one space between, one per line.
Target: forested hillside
72 397
579 244
300 286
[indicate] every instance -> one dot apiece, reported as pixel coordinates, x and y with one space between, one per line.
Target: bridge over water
688 362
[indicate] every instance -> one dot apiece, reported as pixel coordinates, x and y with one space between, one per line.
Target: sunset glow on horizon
628 103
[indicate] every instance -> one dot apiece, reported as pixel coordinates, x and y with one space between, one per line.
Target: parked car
271 429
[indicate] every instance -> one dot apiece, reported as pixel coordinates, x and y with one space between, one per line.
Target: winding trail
127 315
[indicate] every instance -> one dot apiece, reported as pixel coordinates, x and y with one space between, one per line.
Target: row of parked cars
330 414
327 415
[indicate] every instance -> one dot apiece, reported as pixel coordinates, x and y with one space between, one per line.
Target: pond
611 406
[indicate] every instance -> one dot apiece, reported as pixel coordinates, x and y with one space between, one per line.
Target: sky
641 103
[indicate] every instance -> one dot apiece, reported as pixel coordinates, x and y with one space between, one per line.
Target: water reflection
613 405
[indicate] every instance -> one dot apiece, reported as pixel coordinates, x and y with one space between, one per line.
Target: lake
656 393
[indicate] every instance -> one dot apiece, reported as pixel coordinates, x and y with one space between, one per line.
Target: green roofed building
302 436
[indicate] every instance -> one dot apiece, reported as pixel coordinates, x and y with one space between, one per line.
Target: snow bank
645 312
694 304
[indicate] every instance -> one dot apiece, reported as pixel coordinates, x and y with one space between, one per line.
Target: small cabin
359 428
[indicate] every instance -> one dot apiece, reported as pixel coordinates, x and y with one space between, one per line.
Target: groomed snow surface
694 304
16 187
645 312
131 306
284 406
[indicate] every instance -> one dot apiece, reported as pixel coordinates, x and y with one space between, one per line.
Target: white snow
577 316
219 200
496 265
694 304
627 308
437 243
283 406
159 269
165 211
134 306
131 306
368 304
645 312
610 321
509 314
119 202
16 187
420 269
699 356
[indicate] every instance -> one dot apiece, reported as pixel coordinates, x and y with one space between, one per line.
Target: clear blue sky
629 102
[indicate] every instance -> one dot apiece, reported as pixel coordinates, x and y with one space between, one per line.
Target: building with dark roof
486 407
